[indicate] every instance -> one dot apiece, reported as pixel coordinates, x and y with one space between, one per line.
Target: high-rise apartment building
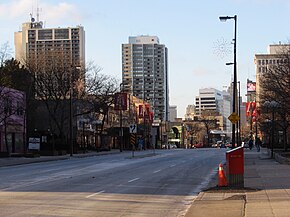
145 73
63 47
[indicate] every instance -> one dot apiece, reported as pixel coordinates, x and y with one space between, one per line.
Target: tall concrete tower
145 73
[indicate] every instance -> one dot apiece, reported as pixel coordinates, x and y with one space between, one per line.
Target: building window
7 106
61 34
19 110
45 34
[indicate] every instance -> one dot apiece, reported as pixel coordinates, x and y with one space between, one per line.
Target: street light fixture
224 19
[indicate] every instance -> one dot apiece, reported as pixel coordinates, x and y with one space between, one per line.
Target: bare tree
55 84
208 118
100 90
5 52
195 131
275 86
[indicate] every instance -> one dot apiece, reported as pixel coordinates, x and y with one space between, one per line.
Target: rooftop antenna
38 10
31 18
37 14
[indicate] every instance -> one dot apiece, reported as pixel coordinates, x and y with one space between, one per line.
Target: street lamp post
273 105
75 68
223 19
121 122
71 120
239 113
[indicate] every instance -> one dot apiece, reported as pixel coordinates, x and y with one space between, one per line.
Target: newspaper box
235 167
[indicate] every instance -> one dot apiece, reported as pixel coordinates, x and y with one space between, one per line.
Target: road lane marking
132 180
156 171
173 165
91 195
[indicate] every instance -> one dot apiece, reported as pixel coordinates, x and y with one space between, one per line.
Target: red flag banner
151 116
251 109
141 111
121 101
147 110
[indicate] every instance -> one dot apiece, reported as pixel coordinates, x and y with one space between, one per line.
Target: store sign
34 143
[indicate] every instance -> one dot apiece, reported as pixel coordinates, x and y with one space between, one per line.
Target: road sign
133 128
133 139
234 118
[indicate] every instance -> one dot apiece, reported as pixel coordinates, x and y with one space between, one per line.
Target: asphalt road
164 184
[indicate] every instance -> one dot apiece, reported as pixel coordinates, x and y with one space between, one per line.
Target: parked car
219 144
229 145
172 146
169 146
197 145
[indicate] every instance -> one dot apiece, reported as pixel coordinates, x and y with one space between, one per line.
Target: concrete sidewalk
266 192
12 161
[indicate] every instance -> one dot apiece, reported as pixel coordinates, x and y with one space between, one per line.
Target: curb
22 161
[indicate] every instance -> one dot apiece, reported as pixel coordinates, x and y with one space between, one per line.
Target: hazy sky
199 44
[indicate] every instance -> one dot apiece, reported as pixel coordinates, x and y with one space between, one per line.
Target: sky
199 45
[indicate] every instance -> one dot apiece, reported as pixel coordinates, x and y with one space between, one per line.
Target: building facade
264 61
37 45
145 73
12 121
210 99
172 113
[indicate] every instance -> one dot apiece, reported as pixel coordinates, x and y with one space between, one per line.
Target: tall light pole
223 19
121 121
74 70
71 119
239 142
273 105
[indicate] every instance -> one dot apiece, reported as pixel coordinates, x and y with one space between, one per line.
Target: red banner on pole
251 109
121 101
147 110
151 116
141 111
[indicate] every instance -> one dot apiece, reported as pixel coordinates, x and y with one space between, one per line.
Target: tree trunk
285 140
5 137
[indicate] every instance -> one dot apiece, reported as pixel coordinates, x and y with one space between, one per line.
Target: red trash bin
235 167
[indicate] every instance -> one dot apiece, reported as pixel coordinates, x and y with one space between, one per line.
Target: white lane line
156 171
132 180
173 165
91 195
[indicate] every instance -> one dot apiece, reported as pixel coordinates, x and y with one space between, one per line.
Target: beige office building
264 61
